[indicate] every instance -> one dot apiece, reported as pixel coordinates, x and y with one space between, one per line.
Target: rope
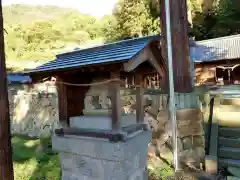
98 83
92 84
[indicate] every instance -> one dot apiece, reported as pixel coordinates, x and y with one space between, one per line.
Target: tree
134 19
227 15
6 166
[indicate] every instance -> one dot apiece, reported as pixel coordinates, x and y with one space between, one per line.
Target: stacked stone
31 114
190 136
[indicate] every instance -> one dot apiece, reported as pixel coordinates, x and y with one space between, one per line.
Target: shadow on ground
34 160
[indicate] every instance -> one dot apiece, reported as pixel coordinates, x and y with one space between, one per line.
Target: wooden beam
155 63
139 98
145 55
133 63
114 89
62 103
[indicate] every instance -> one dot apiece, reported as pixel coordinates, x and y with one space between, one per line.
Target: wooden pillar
139 98
180 43
114 89
62 103
6 167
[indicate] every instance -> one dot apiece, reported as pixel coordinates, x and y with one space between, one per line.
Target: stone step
228 162
231 101
229 153
229 132
233 178
229 142
235 171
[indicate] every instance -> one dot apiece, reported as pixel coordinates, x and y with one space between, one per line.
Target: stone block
100 122
211 164
93 158
100 148
234 171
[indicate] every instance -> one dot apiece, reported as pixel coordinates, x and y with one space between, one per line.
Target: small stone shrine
98 139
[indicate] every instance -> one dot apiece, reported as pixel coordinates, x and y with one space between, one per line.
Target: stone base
98 159
211 164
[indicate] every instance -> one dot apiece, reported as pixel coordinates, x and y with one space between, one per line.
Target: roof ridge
112 43
219 38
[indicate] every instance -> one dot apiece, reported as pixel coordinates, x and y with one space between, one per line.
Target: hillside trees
38 39
38 32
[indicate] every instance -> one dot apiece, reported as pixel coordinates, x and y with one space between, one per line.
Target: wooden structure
217 61
125 61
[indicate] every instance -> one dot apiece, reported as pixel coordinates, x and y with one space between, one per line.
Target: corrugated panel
216 49
119 51
16 78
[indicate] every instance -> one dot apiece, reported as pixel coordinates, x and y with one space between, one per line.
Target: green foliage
34 159
37 32
133 18
221 18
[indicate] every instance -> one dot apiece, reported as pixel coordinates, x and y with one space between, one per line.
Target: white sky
96 8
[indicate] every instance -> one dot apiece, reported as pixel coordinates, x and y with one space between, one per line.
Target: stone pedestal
85 158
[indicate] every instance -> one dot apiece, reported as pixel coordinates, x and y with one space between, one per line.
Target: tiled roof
216 49
18 79
120 51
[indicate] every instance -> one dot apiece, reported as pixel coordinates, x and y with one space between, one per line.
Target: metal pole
172 108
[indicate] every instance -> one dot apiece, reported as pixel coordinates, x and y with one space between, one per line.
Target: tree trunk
6 168
180 44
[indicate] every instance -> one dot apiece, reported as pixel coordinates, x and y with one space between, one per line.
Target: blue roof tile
18 79
109 53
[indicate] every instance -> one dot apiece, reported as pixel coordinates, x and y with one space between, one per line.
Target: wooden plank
139 99
229 162
229 142
229 153
229 132
114 89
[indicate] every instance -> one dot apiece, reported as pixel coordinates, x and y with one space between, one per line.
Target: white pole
172 108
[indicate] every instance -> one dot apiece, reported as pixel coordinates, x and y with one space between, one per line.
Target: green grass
34 160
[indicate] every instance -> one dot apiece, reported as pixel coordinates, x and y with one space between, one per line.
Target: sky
96 8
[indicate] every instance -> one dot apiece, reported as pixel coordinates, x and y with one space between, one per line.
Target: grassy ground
34 160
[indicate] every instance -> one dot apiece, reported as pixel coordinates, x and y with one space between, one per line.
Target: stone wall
33 112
